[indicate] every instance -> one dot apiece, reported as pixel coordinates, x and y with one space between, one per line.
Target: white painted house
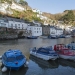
13 23
35 30
3 23
37 11
55 31
16 24
42 17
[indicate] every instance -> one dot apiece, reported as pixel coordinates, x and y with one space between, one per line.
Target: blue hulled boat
61 36
53 37
13 59
45 53
31 37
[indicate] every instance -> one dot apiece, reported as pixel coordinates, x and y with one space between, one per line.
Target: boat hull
14 66
42 56
31 37
67 57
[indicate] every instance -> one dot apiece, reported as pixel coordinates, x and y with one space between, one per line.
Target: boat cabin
13 55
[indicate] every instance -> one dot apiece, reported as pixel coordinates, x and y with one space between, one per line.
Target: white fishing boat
45 53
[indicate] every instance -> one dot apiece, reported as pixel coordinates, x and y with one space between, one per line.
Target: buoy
4 69
27 62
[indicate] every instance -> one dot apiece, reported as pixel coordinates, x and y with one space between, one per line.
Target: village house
34 30
55 31
37 11
13 24
45 30
3 24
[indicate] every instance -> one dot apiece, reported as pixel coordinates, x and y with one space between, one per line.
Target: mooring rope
9 70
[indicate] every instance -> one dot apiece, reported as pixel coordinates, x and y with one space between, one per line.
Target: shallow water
37 66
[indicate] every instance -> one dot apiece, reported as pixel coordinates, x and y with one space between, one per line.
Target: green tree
69 17
23 2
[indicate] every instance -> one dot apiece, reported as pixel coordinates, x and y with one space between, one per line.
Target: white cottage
55 31
3 23
35 30
16 24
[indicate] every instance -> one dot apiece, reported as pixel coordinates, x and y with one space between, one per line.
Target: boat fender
0 57
26 64
4 69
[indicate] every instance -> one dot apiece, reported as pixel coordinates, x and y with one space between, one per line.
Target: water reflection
52 64
21 71
44 64
67 63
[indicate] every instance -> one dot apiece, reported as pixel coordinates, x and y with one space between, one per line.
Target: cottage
34 30
55 31
45 30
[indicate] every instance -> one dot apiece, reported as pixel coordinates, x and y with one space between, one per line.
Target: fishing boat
67 36
32 37
64 52
45 53
13 59
61 36
53 37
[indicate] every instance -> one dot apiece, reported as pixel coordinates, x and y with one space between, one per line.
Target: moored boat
53 37
13 59
45 53
32 37
61 36
64 52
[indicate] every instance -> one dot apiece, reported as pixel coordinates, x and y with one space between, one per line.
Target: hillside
22 10
19 9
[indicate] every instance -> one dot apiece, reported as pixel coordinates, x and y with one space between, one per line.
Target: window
19 27
22 26
12 25
20 57
16 26
37 31
35 28
11 59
